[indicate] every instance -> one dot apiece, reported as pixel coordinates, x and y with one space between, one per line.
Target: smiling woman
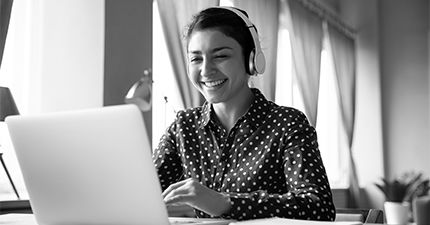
216 68
239 155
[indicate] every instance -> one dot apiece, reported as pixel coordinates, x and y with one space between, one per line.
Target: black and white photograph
232 112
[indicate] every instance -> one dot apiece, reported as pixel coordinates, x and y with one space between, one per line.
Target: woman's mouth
211 84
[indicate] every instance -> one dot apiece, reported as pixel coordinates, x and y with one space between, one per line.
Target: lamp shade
7 104
140 93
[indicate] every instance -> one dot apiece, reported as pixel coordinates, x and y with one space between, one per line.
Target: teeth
214 83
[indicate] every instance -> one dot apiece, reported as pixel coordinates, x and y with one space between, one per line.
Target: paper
17 219
282 221
198 221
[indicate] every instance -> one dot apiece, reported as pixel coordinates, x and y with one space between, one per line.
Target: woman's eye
221 56
195 59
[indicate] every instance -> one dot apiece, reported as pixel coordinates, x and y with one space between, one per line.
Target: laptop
91 166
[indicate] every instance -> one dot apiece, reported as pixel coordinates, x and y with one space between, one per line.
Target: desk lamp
7 108
140 93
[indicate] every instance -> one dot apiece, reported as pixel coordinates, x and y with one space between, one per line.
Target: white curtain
262 13
343 49
306 43
175 15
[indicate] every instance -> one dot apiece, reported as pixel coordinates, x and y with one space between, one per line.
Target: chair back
361 215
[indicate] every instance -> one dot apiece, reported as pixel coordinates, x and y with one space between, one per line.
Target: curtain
343 51
306 43
262 13
5 10
175 15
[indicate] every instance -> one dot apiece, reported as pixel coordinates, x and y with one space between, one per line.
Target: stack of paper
17 219
282 221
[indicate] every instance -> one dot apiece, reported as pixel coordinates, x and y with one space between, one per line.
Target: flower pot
421 208
396 212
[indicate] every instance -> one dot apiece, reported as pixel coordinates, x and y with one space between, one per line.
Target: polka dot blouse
268 164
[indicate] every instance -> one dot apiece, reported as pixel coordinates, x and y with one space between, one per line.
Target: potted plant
419 199
419 186
399 194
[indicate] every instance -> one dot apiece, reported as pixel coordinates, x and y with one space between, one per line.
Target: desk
18 219
28 219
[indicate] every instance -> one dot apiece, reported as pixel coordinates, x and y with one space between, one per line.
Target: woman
239 155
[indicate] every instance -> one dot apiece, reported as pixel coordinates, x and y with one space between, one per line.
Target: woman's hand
194 194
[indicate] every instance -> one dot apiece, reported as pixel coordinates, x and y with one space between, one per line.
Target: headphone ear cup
259 62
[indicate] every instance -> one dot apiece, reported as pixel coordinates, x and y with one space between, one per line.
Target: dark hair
227 22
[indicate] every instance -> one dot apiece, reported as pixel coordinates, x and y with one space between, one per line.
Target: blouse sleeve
309 195
166 159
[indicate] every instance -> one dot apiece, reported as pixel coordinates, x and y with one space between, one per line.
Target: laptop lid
90 166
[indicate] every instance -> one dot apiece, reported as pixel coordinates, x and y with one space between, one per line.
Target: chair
361 215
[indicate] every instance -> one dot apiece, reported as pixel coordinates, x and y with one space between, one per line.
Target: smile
215 83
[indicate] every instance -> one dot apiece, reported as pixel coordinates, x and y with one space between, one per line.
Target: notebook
90 166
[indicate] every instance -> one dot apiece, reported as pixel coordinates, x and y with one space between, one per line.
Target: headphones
257 60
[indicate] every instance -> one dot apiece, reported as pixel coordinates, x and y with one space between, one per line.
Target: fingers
174 187
183 192
191 192
177 195
178 199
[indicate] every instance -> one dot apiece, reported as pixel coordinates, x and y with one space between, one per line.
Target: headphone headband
257 60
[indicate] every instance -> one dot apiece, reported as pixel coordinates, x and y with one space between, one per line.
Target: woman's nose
207 68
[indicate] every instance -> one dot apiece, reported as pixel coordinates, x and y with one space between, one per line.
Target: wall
392 89
405 85
128 49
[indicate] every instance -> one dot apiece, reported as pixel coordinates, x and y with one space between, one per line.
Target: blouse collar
255 112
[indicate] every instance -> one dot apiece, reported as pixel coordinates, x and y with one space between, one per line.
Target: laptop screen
90 166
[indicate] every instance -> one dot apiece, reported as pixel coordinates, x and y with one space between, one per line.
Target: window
328 125
328 117
16 36
166 98
48 57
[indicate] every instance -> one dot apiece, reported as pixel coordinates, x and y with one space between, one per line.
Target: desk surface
28 219
17 219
